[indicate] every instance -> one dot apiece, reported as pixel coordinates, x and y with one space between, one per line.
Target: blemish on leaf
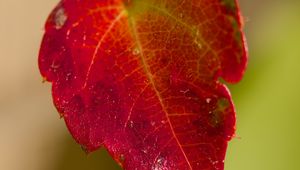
236 28
217 116
131 124
136 51
121 158
60 18
229 4
222 104
160 164
180 15
145 151
208 100
197 37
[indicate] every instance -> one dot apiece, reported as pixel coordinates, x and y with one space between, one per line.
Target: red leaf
141 78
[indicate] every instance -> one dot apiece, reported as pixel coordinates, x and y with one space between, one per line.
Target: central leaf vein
152 82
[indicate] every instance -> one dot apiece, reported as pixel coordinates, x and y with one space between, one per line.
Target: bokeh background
32 137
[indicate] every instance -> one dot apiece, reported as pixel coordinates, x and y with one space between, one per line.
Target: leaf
141 77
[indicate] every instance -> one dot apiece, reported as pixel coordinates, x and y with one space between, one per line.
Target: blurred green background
32 137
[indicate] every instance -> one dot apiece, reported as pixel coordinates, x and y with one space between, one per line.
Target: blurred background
32 137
